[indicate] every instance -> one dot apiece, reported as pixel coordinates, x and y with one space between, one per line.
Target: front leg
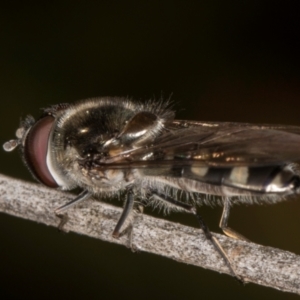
125 213
61 211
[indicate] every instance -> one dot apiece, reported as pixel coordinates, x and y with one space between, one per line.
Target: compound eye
36 148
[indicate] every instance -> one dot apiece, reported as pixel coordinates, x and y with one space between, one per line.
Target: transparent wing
213 144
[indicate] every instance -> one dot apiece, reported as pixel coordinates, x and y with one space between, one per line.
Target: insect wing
213 144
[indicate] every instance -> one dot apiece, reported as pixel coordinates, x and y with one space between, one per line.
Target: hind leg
224 221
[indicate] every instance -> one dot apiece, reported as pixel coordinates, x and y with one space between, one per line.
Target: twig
258 264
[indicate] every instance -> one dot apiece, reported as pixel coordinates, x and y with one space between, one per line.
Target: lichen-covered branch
258 264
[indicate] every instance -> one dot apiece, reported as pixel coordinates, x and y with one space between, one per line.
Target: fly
107 146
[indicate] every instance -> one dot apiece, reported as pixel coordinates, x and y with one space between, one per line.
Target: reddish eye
35 150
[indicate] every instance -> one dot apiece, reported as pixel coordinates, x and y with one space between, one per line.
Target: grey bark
254 263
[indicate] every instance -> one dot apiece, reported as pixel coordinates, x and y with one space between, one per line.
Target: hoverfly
107 146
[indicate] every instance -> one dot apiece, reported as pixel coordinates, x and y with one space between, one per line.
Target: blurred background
220 61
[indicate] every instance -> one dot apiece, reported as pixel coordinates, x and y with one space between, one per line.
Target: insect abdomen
267 179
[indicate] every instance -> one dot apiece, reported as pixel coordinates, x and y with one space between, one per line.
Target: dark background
220 61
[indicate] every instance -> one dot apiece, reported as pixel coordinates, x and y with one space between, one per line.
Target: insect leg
125 213
224 221
218 247
206 231
60 211
81 197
